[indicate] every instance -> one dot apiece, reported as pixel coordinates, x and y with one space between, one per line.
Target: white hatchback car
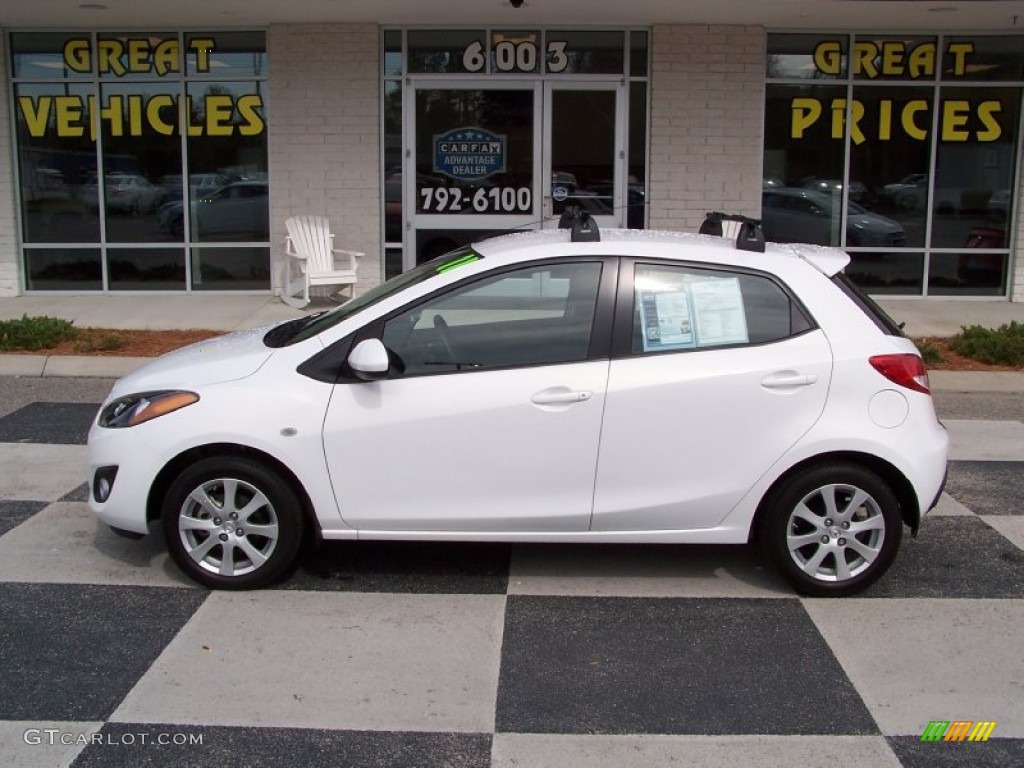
574 386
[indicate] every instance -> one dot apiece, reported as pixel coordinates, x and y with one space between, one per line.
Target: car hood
224 358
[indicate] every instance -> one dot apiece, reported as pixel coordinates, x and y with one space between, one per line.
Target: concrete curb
69 365
111 367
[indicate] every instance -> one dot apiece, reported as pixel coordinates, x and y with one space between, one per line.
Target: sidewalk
232 313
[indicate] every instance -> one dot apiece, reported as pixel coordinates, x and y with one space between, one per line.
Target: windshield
306 327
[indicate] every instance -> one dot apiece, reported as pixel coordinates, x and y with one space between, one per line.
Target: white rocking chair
310 259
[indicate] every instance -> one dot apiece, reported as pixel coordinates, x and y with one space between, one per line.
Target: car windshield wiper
281 334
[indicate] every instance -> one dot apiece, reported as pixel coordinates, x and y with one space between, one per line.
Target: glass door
584 151
473 163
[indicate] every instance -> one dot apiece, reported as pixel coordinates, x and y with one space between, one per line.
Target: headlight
134 409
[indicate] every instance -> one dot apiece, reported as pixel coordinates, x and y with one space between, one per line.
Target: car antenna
584 228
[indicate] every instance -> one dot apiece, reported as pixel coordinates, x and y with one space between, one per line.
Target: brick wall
707 115
9 285
324 143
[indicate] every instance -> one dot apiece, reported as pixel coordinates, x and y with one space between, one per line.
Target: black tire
833 551
250 515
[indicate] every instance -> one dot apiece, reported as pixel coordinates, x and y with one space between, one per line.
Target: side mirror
369 360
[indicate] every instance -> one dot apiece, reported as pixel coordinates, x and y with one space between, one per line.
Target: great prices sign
75 115
960 119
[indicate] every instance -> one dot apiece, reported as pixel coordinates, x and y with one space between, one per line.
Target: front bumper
137 467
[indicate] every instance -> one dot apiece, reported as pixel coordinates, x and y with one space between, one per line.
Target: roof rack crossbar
584 228
750 236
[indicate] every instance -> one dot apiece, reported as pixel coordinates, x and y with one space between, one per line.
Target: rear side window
867 305
679 308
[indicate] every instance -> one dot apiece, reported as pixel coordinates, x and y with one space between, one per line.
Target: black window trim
600 334
622 337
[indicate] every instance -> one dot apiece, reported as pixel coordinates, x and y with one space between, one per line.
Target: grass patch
1003 346
34 333
91 341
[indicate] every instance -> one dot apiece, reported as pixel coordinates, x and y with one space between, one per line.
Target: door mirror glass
369 360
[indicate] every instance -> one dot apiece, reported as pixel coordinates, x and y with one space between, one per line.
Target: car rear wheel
833 529
231 523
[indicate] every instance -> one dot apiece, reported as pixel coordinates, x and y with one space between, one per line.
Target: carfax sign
469 154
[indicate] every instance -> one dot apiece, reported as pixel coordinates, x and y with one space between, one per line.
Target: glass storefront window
131 55
887 273
892 57
806 57
983 58
636 189
889 157
446 51
146 269
140 153
117 133
803 163
638 54
220 269
62 269
57 164
974 165
590 53
915 147
226 55
968 273
392 53
515 51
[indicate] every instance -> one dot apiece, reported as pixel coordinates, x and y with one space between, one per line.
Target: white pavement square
329 660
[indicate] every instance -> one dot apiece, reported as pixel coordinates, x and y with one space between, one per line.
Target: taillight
907 370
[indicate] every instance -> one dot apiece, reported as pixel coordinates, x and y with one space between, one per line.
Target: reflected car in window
124 193
792 215
643 387
237 211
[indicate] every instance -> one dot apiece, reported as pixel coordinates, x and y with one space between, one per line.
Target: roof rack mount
749 237
584 228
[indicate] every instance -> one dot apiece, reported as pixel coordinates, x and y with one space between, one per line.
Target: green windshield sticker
469 258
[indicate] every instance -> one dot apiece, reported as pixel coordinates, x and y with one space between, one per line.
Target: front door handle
788 380
561 396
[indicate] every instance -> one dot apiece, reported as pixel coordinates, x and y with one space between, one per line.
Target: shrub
1004 346
34 333
931 354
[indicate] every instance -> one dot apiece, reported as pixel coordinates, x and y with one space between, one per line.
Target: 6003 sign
479 200
512 56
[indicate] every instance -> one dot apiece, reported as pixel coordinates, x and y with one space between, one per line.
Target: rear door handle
560 396
788 380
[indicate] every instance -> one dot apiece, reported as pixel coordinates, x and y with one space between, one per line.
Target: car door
491 419
720 373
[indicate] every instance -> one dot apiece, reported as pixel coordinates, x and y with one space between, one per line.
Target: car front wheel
833 530
232 523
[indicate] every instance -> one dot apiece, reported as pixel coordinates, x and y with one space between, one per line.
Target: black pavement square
420 567
139 745
81 493
954 557
72 652
14 513
672 666
988 487
61 423
994 753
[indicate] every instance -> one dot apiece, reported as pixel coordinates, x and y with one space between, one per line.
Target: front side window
538 315
686 308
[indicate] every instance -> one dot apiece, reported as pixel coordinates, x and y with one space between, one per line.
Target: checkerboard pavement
397 654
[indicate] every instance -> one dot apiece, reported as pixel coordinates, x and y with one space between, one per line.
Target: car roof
684 246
